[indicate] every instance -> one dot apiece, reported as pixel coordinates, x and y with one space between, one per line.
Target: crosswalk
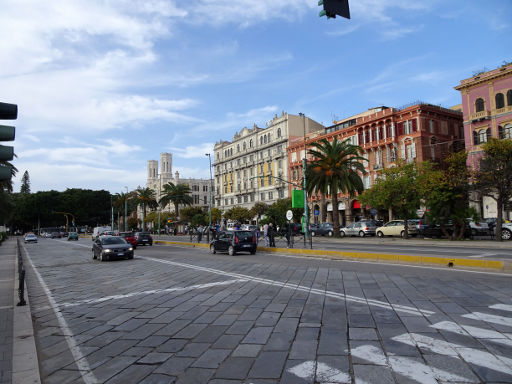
441 361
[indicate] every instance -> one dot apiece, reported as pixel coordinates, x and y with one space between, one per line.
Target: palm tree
336 168
145 197
177 194
120 202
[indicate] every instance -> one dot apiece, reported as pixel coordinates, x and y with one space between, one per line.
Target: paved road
181 315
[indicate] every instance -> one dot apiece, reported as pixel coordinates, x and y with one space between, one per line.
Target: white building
253 167
199 187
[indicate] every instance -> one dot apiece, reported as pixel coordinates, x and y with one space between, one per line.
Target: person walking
199 233
265 235
271 235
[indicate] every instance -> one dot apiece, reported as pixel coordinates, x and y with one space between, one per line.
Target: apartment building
253 166
487 112
416 132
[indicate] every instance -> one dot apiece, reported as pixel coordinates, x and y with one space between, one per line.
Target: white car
30 238
478 228
506 231
396 228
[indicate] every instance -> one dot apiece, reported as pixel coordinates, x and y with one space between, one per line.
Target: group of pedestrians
269 235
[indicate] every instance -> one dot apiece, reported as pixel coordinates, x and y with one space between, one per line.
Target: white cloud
193 151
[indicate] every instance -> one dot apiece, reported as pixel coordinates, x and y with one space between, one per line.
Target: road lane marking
80 360
475 356
478 333
336 295
324 373
488 318
149 292
503 307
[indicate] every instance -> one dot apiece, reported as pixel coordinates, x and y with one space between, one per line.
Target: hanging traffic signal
333 8
7 133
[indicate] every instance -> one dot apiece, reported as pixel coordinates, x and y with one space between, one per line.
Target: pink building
487 112
487 109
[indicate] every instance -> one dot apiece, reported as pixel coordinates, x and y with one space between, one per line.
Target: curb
25 364
502 266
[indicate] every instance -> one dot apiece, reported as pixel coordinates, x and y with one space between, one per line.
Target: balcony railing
479 115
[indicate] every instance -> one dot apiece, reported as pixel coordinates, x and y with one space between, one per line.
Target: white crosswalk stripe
475 356
488 318
503 307
477 333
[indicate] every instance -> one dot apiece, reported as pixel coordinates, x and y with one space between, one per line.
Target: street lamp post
126 211
304 161
210 205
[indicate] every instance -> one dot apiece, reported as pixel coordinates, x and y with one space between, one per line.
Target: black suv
234 241
143 238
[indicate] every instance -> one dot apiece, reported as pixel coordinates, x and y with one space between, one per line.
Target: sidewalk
18 355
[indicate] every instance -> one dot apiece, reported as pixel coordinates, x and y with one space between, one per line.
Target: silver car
360 228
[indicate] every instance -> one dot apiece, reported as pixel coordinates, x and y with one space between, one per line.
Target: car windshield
244 235
112 240
126 234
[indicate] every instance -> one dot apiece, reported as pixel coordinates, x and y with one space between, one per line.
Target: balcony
480 115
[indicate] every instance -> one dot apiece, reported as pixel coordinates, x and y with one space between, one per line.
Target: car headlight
107 250
130 249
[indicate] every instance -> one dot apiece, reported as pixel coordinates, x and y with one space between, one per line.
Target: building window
250 143
481 136
252 197
270 180
262 197
261 140
246 199
245 146
225 201
278 132
281 194
232 201
509 97
479 105
431 126
500 101
270 196
196 199
265 139
204 200
239 199
238 147
506 131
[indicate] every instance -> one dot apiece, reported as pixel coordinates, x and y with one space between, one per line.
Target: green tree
216 215
25 183
396 189
494 178
258 209
176 194
188 213
146 197
446 193
276 213
338 165
239 214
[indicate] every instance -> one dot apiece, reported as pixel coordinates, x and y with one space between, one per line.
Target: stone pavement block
210 334
250 314
194 350
208 317
138 351
143 331
63 376
151 313
234 368
365 374
268 365
286 325
299 372
333 369
153 341
312 313
332 342
190 331
211 358
361 321
175 366
172 328
129 325
195 376
363 334
172 345
418 324
279 341
247 350
453 366
113 367
166 317
292 311
225 320
304 349
367 352
241 327
228 341
267 319
132 374
258 335
158 379
154 358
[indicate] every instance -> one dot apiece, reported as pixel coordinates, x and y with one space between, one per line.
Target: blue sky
104 86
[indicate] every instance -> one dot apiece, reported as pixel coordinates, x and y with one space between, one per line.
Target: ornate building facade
487 111
253 166
156 180
416 132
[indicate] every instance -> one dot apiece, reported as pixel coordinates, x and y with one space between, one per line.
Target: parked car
56 235
72 236
359 228
143 238
30 238
129 237
322 229
234 241
506 231
107 248
396 228
479 228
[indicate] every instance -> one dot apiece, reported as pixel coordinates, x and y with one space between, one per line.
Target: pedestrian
287 235
271 235
175 231
199 233
223 225
265 235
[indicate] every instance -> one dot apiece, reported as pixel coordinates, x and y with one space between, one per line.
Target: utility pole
304 163
210 205
126 211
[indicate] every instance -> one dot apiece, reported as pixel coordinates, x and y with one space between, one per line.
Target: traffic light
7 112
334 7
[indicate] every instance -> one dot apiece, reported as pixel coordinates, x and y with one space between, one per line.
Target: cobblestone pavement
181 315
7 265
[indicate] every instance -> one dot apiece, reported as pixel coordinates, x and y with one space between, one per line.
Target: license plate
246 246
143 240
120 254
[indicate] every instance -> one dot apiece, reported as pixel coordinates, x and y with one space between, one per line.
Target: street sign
289 215
317 212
